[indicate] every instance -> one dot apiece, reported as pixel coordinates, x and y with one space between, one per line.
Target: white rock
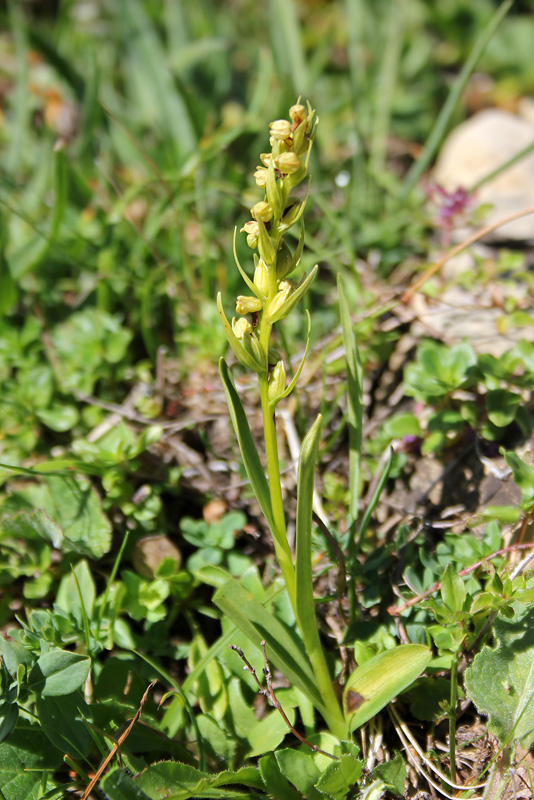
476 148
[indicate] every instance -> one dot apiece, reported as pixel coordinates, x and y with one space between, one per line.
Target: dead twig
120 741
270 695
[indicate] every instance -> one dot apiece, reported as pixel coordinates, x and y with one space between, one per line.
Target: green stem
281 545
452 717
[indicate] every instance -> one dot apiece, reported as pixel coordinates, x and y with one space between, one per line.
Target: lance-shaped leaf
354 401
241 352
501 680
375 683
283 647
250 456
305 608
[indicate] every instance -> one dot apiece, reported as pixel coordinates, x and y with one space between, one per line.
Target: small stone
476 148
149 553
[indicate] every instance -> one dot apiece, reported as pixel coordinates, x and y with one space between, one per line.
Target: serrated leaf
338 777
501 680
374 684
119 786
301 770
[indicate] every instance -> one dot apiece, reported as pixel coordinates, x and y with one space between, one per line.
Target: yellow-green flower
280 129
262 210
248 305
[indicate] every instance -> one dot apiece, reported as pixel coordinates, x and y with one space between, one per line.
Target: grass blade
33 253
374 499
354 403
287 44
154 80
438 131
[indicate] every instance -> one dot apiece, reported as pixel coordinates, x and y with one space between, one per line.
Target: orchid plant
273 295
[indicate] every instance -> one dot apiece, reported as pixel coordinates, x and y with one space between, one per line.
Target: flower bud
277 382
260 176
261 278
297 114
287 163
265 158
248 305
252 230
241 327
275 307
262 210
280 129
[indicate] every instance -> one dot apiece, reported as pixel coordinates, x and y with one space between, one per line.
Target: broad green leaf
59 672
32 524
305 604
374 684
119 786
354 401
501 680
61 721
278 785
258 624
9 714
68 596
338 777
452 589
301 770
393 773
502 406
523 473
25 760
267 733
177 781
59 417
249 453
13 654
73 505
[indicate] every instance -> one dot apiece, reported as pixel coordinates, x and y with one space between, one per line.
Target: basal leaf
384 676
258 624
